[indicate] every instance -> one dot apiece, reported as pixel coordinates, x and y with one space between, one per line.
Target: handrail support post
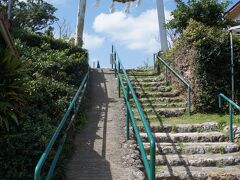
232 106
189 100
219 101
158 66
127 115
115 65
230 122
165 72
152 159
119 86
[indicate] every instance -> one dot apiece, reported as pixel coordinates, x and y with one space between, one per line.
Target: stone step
165 112
194 148
153 89
162 105
142 74
200 173
155 117
148 84
161 99
181 128
158 94
187 137
199 160
139 70
146 79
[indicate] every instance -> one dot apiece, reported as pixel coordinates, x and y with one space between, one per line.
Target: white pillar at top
80 22
161 22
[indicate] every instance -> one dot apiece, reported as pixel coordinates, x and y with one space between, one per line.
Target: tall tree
209 12
34 14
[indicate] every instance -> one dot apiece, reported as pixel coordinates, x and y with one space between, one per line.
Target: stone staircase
183 151
157 99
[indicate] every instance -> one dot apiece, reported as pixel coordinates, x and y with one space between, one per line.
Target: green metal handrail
232 105
73 107
167 66
149 167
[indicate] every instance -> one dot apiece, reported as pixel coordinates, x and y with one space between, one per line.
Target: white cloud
92 41
168 15
56 1
136 33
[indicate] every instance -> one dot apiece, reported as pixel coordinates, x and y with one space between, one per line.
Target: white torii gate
161 22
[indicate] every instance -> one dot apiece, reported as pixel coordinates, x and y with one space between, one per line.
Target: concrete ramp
99 151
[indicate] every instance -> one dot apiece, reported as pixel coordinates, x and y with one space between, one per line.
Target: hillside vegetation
201 52
35 91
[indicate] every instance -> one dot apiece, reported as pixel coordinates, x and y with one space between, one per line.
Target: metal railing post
219 101
232 65
189 99
127 115
232 106
112 56
119 87
115 64
155 62
165 72
152 159
230 123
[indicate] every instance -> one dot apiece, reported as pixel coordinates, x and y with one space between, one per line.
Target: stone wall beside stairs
208 76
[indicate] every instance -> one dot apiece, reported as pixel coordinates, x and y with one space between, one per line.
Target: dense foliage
36 89
209 12
202 51
53 70
203 55
33 14
12 88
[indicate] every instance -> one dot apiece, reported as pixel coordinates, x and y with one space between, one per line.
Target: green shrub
202 54
12 89
54 71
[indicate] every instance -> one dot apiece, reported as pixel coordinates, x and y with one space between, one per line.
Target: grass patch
222 119
222 150
219 165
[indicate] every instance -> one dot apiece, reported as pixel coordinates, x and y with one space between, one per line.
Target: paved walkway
98 153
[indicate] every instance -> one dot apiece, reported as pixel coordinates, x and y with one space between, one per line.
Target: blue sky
135 35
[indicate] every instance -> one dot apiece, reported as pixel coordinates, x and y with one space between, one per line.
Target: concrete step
199 160
187 137
166 112
200 173
194 148
181 128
